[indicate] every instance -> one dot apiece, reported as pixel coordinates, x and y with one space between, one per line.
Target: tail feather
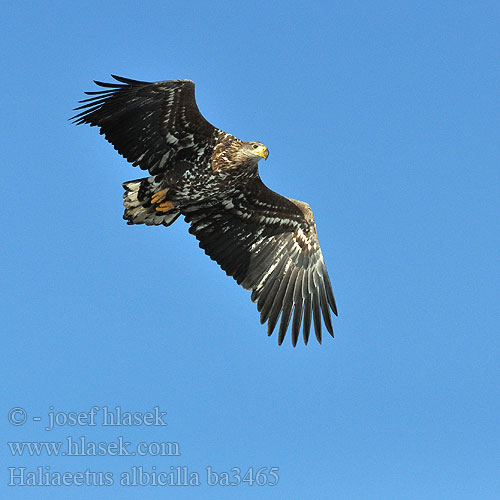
139 208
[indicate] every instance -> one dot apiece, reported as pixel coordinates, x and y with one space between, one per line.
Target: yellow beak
262 151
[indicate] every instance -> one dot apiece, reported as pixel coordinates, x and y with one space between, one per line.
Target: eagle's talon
165 206
159 196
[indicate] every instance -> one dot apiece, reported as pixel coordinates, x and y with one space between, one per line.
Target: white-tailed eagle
266 242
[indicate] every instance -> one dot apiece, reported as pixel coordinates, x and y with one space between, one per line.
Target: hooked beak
262 151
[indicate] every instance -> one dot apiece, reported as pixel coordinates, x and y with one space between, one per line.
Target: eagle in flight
266 242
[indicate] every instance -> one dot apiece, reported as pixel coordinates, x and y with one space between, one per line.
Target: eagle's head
255 150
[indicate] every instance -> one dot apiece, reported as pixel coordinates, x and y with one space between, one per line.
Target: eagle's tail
146 203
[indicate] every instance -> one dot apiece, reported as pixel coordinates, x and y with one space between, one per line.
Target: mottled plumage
266 242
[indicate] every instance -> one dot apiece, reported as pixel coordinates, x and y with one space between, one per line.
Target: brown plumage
266 242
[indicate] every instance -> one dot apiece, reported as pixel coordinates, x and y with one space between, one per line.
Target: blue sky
384 116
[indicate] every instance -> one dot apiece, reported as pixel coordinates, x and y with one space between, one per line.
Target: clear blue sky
384 116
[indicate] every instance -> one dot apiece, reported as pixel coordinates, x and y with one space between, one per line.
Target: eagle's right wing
269 245
148 123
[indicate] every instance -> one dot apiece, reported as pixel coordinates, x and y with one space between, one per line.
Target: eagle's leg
159 196
145 205
159 199
166 206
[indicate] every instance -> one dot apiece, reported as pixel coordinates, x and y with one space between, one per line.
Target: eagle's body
266 242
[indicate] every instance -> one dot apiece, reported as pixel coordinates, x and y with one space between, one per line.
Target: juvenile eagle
266 242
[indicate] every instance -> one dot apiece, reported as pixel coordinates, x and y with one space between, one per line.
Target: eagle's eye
255 146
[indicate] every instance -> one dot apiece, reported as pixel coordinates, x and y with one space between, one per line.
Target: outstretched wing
150 124
269 245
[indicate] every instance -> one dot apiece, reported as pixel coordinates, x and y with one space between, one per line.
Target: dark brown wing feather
269 245
150 124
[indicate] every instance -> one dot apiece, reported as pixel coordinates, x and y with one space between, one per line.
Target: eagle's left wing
151 124
269 245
